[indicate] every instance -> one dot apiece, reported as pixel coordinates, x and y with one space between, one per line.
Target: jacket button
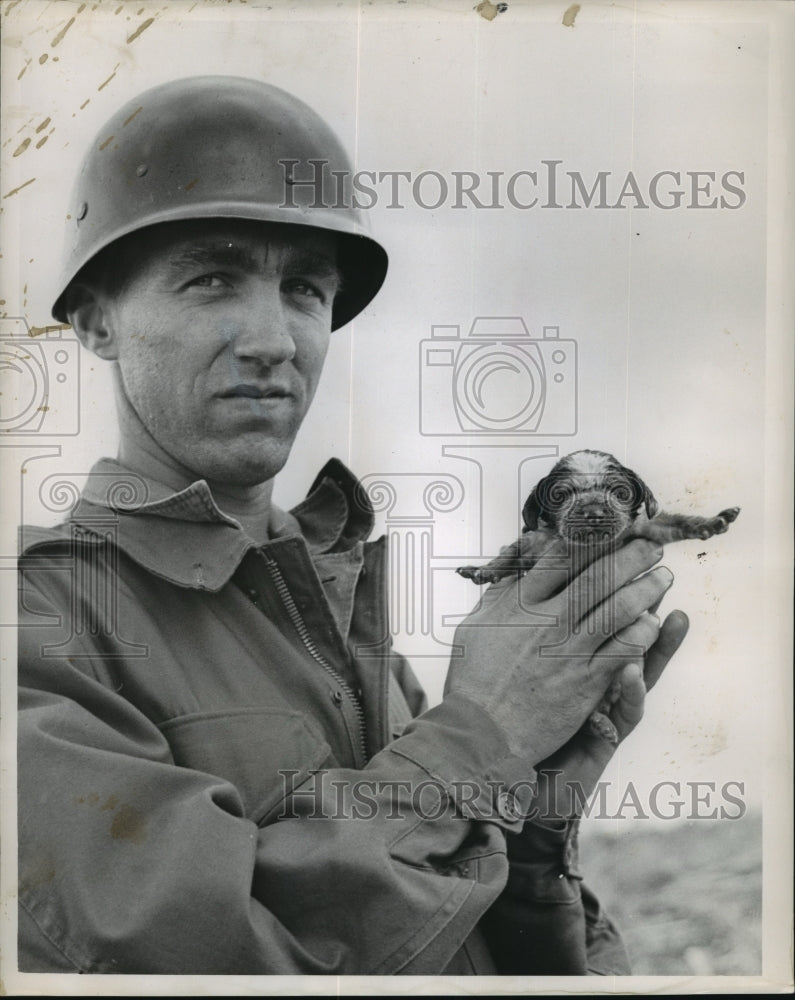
336 697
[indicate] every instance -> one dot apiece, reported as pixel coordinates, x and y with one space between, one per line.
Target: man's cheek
152 363
151 387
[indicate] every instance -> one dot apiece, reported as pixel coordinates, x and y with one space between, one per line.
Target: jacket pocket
249 747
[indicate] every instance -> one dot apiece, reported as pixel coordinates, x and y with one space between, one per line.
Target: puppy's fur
596 504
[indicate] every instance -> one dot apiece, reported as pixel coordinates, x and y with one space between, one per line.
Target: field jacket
224 767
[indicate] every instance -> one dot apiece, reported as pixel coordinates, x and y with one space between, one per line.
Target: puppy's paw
720 523
726 517
495 571
480 574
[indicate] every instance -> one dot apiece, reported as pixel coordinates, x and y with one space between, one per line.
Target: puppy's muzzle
593 520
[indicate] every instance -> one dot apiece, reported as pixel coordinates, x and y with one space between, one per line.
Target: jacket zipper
303 633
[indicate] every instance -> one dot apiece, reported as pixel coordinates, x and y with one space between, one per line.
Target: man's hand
539 658
580 763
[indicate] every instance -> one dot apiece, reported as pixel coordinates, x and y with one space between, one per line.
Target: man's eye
208 281
300 287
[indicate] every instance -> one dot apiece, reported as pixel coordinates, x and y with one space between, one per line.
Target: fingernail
664 575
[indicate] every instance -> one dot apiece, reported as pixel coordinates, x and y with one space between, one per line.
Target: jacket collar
184 537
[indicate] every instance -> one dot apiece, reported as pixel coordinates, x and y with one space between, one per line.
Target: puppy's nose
594 512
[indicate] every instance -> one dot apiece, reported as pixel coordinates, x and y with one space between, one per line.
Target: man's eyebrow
297 260
223 254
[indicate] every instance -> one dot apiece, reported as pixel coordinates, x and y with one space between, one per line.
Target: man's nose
264 332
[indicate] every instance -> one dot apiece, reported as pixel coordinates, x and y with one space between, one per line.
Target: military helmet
225 147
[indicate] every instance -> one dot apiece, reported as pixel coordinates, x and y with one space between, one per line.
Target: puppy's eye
622 493
558 494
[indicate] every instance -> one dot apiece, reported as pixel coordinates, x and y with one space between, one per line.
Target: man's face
220 333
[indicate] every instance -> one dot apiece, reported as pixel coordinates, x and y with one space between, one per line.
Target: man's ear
90 322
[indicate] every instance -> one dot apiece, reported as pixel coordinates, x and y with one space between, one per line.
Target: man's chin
250 469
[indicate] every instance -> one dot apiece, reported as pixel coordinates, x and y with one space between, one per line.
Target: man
211 779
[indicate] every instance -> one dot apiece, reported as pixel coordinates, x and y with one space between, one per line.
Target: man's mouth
250 390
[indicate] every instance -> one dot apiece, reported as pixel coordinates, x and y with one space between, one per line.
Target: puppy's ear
536 505
643 493
87 316
531 511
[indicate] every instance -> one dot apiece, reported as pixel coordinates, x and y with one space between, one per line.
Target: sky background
668 309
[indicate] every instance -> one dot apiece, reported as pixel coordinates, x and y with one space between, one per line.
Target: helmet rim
240 131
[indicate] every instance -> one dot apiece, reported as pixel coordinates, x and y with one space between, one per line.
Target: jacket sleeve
130 863
546 921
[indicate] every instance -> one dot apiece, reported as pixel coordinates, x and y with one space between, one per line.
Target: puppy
595 504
